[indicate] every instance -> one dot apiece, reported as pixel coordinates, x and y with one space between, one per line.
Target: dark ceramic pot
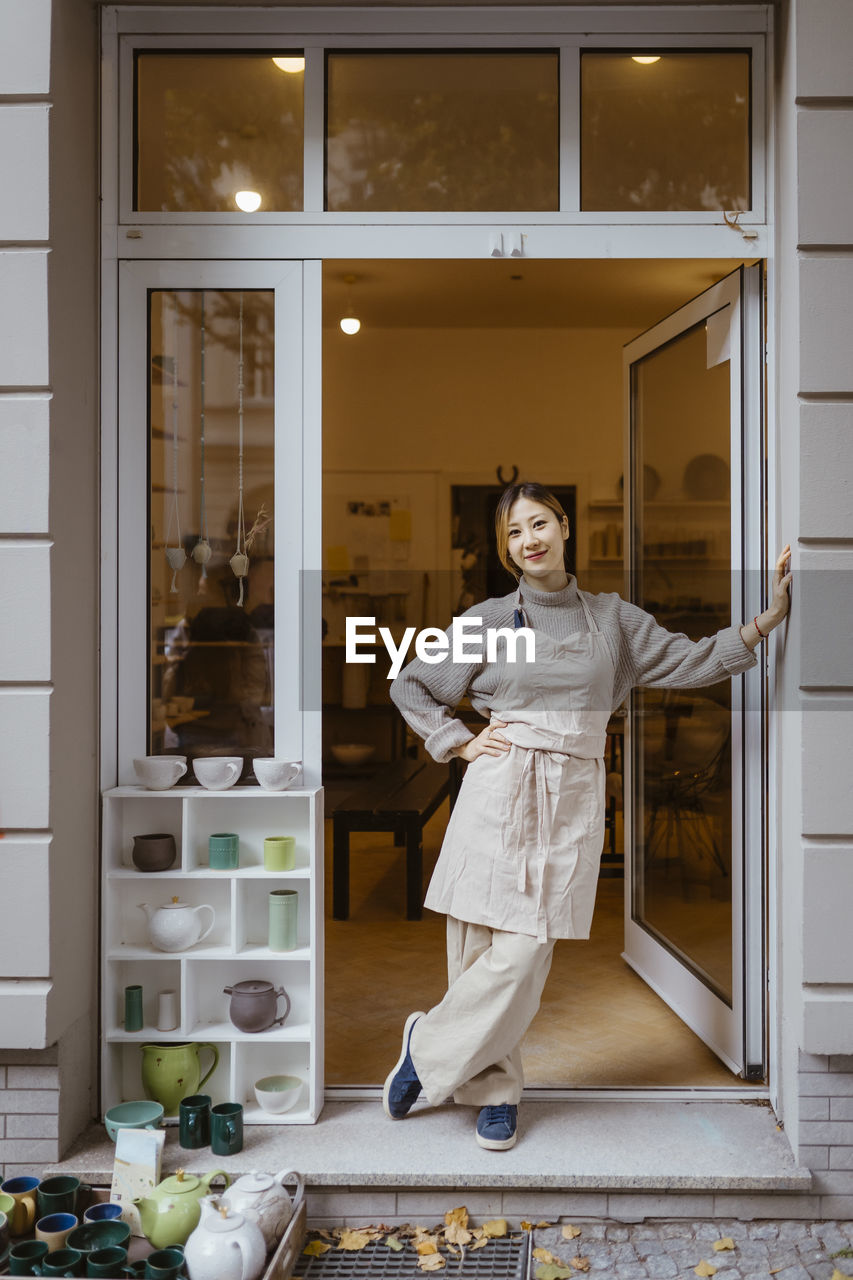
154 852
253 1004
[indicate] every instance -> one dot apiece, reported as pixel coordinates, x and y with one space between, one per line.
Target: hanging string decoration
202 550
240 561
176 554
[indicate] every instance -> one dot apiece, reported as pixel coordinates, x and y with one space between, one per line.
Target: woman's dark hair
536 493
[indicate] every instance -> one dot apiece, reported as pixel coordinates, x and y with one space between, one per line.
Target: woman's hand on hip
487 743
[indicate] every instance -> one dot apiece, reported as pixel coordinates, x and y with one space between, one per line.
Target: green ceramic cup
99 1235
224 851
106 1262
226 1128
25 1255
7 1206
284 914
62 1262
279 853
58 1194
164 1264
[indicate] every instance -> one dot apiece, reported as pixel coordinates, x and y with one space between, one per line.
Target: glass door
210 462
693 873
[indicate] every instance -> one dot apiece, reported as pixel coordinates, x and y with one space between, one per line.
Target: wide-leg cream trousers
469 1044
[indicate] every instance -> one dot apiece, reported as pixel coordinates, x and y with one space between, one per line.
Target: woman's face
536 538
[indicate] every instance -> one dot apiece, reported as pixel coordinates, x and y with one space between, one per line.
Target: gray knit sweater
643 654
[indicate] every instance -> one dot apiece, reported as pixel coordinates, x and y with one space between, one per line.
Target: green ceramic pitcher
171 1072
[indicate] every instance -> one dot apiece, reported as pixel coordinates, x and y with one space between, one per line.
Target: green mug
164 1264
226 1128
58 1194
107 1262
279 853
224 851
25 1255
62 1262
8 1204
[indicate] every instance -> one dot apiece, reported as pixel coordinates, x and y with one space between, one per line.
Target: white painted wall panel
23 1013
825 616
24 613
24 759
825 193
824 41
827 749
827 1021
827 895
24 189
826 470
826 286
25 892
24 46
23 318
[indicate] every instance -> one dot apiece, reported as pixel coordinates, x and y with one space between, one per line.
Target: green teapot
171 1213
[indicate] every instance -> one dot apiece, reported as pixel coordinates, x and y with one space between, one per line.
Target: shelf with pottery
226 911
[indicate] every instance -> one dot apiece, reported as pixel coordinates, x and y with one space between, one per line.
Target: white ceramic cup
158 773
275 775
167 1011
275 1094
218 773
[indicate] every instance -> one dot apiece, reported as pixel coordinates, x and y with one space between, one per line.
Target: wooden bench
400 798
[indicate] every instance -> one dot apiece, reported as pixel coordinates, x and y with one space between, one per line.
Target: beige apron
523 844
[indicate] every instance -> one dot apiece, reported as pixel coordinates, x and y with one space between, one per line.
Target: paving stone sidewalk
663 1250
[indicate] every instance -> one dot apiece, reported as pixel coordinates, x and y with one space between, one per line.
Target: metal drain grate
501 1260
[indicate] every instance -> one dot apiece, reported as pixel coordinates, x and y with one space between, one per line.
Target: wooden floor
599 1024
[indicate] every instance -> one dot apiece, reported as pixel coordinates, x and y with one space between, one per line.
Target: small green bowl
99 1235
133 1115
278 1093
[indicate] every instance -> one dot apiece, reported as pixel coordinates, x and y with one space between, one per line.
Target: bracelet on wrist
758 629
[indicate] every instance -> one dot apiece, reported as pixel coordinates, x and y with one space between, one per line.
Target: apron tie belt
531 793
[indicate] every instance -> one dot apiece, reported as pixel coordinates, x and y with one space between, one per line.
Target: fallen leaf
580 1264
457 1217
431 1262
545 1255
477 1232
457 1253
839 1275
705 1269
526 1226
530 1226
354 1240
569 1233
495 1228
393 1243
316 1249
426 1246
725 1243
550 1271
478 1244
456 1233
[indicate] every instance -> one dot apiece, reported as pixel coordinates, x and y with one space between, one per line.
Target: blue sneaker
402 1088
496 1127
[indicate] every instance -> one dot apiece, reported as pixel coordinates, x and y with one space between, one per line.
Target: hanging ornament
175 555
240 561
202 551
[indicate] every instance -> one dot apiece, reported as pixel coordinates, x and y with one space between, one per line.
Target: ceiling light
291 65
646 60
248 201
350 324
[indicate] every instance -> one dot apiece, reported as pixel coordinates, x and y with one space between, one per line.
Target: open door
694 887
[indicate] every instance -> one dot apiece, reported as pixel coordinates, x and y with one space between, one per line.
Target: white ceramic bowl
158 773
352 752
275 775
217 773
276 1094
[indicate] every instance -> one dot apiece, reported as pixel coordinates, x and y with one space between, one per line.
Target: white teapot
262 1197
224 1245
176 926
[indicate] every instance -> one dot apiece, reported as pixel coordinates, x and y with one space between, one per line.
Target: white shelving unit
236 948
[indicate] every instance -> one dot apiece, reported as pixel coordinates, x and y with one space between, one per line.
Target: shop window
210 515
442 131
219 132
666 130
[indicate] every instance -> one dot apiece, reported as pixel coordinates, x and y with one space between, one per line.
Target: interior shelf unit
235 949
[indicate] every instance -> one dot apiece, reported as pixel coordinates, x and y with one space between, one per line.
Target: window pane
442 131
211 640
672 134
209 125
